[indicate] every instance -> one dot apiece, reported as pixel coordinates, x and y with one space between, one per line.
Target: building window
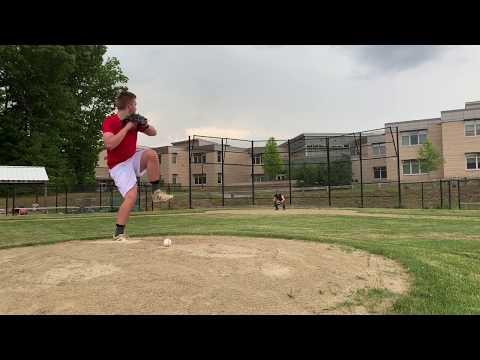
258 159
379 149
199 158
159 158
174 178
412 167
200 179
472 161
281 177
219 156
259 178
414 138
219 178
174 158
380 172
315 148
472 128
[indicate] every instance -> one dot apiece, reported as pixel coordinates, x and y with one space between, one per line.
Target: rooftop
23 174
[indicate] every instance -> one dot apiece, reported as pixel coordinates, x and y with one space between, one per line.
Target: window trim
419 167
203 156
195 176
379 146
260 176
255 158
475 123
385 171
412 133
477 156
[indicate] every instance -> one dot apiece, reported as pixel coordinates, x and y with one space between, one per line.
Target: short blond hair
124 99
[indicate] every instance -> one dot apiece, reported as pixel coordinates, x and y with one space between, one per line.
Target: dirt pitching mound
197 275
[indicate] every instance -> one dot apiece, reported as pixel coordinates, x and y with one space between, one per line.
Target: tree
306 174
53 101
272 162
317 174
430 157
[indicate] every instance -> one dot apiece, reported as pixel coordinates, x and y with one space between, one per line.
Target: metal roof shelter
17 175
23 174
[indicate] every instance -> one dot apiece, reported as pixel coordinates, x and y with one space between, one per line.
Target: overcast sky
256 92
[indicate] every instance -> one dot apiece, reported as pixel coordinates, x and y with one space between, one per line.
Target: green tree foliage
317 174
53 100
430 157
272 161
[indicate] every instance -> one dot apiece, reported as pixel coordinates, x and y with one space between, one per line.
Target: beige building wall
168 168
369 161
238 174
410 152
101 170
455 146
368 170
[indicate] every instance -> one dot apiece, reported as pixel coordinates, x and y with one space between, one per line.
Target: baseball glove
139 120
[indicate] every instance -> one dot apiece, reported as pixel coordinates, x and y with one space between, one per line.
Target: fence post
56 199
45 196
13 200
169 201
253 179
361 171
189 173
398 172
223 175
289 175
146 197
441 194
111 196
422 196
6 202
101 189
449 194
328 172
66 199
139 194
458 195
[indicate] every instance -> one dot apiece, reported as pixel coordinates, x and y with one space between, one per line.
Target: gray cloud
286 90
396 58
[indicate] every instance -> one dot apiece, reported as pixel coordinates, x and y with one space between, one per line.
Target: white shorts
125 173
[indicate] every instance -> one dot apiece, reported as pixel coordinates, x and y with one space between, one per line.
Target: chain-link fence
312 170
317 170
41 198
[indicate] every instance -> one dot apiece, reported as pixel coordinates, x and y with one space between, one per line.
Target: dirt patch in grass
197 275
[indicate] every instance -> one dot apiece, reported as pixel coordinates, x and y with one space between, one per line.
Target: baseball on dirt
167 242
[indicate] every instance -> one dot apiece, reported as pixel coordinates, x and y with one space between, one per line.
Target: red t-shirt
126 149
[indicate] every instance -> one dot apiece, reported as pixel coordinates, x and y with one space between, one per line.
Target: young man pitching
125 161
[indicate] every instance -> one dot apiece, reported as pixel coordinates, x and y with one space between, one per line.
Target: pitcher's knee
131 195
152 154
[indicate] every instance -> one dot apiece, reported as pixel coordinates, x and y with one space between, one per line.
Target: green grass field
439 248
